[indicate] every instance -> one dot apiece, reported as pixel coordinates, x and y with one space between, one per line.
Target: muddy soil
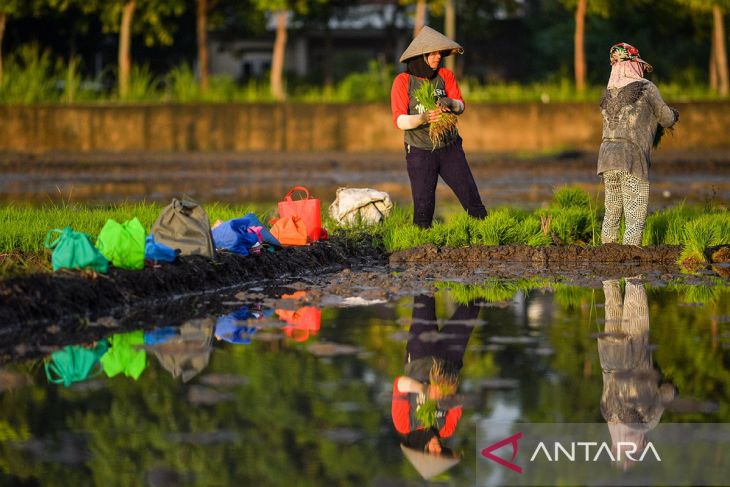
42 312
101 178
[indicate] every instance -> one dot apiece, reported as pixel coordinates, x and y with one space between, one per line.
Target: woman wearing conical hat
425 100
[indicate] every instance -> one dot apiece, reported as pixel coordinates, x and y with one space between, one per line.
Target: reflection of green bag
126 355
74 364
74 250
123 244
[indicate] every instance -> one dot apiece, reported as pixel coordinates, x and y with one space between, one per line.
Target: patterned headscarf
627 52
626 65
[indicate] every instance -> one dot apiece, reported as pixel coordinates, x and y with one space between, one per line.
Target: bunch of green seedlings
445 124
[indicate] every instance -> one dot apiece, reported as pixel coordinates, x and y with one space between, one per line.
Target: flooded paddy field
290 381
195 376
99 178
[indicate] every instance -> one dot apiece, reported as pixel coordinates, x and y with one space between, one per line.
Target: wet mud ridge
524 261
541 256
53 297
41 312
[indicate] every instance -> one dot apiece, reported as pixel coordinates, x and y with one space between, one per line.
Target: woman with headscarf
432 142
634 113
634 394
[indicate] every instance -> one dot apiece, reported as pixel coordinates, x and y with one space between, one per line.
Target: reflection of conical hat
428 465
429 40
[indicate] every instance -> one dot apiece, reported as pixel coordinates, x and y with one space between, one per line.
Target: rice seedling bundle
498 228
702 233
445 124
571 197
426 413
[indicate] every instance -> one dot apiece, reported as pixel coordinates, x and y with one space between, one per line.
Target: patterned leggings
630 195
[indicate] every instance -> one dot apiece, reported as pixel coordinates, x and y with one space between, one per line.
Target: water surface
295 394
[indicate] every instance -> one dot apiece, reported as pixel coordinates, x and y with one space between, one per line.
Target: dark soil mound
541 256
54 296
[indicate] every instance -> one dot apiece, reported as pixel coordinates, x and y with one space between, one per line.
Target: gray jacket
631 116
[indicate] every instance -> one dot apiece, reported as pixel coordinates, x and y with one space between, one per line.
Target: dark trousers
424 169
448 343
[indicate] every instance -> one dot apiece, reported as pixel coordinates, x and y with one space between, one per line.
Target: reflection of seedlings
443 383
700 294
426 413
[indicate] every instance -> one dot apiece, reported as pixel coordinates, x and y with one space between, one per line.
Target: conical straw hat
428 465
429 40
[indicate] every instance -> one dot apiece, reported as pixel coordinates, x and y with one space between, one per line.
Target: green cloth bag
74 250
74 364
123 243
126 355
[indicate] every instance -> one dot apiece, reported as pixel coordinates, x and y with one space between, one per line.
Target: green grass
25 227
571 218
34 75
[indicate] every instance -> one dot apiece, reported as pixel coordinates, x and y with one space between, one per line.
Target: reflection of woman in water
633 398
423 408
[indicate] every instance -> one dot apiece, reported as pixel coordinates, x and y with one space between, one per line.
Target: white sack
354 205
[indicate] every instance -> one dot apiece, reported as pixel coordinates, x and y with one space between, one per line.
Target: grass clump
498 228
702 233
570 197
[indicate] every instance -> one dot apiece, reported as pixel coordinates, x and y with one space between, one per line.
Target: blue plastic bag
158 336
158 252
234 327
241 234
251 220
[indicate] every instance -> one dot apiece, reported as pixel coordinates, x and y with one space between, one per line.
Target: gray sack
184 225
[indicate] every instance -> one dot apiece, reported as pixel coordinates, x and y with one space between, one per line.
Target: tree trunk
277 61
713 66
720 50
328 55
202 31
2 35
125 35
450 28
420 19
579 51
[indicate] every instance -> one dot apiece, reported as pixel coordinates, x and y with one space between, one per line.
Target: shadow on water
286 391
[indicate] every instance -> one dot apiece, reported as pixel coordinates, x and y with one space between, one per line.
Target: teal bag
74 364
74 250
123 243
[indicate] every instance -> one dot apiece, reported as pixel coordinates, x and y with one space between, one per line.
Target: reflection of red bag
301 323
307 209
290 231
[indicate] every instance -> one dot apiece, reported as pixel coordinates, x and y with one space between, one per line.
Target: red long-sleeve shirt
400 98
401 414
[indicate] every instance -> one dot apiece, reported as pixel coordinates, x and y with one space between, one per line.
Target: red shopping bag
302 323
306 209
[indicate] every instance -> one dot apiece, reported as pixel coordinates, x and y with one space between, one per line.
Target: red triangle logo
512 440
